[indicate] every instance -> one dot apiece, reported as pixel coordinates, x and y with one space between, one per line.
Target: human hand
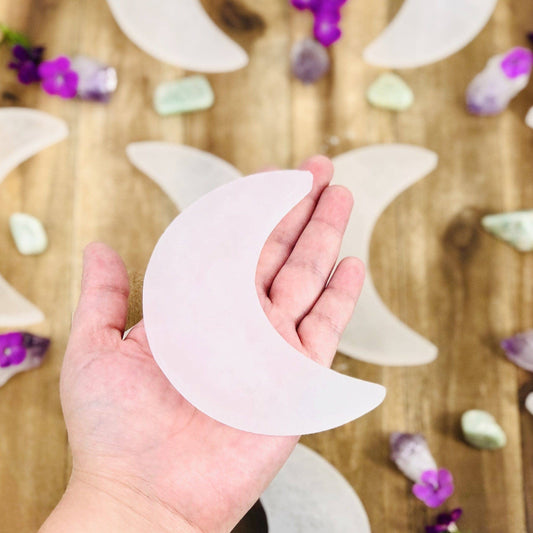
144 459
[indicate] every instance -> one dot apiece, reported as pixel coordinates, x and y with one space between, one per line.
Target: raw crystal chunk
529 402
481 430
529 117
515 228
389 91
96 81
19 352
28 233
183 96
519 349
504 76
309 60
410 453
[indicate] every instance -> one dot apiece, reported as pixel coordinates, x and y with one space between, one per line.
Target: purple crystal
504 76
519 349
309 60
326 28
20 351
97 82
410 453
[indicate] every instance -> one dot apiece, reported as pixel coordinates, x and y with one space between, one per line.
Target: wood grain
431 263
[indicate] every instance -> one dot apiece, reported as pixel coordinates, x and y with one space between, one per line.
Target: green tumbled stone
481 430
183 96
515 228
389 91
28 233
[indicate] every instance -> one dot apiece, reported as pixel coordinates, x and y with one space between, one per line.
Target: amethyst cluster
327 15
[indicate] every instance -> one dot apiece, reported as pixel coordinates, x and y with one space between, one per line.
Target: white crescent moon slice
376 175
23 133
425 31
15 310
184 173
178 32
207 329
309 495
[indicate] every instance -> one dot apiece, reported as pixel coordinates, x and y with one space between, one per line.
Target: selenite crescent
310 495
207 329
376 175
178 32
426 31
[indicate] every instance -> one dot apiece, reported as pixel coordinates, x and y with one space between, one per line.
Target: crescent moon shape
425 31
184 173
310 495
376 175
15 310
178 32
23 133
207 329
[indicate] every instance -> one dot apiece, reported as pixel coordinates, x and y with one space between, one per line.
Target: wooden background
431 262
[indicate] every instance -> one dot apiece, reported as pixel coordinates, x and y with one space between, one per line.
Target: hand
144 459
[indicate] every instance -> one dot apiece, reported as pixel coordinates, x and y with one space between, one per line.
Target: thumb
103 307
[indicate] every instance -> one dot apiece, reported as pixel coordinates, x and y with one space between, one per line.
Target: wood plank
431 262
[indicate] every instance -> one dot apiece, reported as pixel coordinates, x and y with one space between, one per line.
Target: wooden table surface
431 262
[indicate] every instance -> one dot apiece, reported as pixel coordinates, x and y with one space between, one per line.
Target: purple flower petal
12 349
312 5
434 487
20 53
47 69
517 62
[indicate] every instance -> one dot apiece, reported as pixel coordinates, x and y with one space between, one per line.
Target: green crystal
389 91
515 228
481 430
183 96
28 233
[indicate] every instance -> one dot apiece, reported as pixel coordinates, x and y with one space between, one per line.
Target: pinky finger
321 329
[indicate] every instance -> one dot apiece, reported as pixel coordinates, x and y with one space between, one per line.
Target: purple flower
58 78
26 62
326 29
517 62
312 5
435 487
12 349
445 522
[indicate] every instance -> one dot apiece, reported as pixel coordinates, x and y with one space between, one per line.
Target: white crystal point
183 172
178 32
376 175
28 233
529 402
309 495
529 117
425 31
25 132
15 310
515 228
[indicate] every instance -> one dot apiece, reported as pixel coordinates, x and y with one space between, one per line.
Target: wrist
95 505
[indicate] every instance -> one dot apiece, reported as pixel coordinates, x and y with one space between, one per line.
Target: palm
125 420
